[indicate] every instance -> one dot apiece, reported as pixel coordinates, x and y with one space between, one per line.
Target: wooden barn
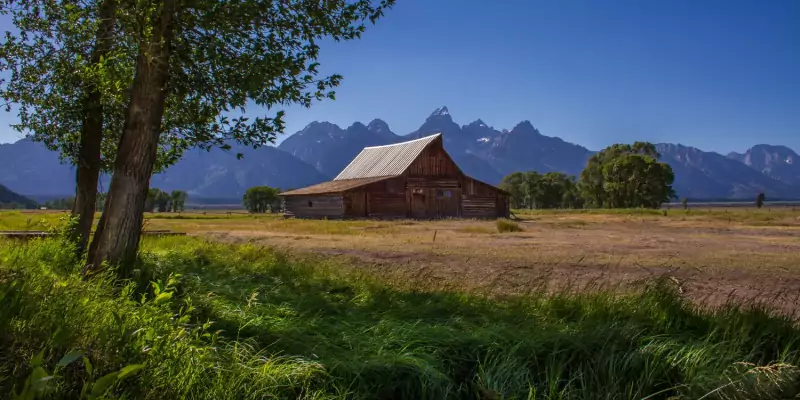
414 179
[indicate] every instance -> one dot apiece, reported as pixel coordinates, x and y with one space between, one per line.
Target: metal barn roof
383 161
334 186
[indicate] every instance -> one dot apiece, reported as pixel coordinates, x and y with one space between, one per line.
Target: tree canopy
550 190
260 199
620 176
127 87
627 176
162 201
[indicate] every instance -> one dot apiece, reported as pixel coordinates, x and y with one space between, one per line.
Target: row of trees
127 87
67 203
161 201
157 200
619 176
534 190
260 199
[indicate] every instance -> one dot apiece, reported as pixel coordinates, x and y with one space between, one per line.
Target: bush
504 225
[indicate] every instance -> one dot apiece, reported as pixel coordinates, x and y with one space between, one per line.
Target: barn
414 179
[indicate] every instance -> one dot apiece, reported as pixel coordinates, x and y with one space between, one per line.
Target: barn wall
480 200
316 206
385 199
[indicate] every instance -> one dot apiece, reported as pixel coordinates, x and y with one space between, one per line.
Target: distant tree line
619 176
161 201
68 203
260 199
13 206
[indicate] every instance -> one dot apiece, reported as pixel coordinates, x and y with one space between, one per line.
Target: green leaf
162 297
88 365
37 359
69 358
129 370
103 384
39 379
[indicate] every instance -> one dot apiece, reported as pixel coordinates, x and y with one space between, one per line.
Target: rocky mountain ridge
320 150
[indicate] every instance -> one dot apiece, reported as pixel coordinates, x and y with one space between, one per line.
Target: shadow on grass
377 341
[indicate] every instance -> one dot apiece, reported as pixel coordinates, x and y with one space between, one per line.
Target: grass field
593 305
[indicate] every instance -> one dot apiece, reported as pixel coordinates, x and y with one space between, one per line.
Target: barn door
419 207
447 203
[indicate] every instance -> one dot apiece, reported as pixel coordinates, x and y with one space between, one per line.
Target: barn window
310 204
444 194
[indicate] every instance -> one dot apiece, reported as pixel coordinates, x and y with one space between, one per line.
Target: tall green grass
214 321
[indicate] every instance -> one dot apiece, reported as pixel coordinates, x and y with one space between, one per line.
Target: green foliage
685 203
620 176
60 204
760 200
67 203
49 63
551 190
259 199
627 176
225 56
244 322
504 225
161 201
178 200
40 382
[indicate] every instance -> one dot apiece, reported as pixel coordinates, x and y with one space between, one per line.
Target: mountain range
322 149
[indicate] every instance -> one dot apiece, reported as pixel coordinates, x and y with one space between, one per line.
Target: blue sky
720 75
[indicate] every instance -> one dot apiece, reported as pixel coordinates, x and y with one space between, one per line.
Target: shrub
504 225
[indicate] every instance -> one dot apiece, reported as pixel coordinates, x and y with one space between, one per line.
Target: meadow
626 304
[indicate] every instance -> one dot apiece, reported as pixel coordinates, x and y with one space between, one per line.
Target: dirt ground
710 258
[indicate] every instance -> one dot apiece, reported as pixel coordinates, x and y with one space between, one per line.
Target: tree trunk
116 240
89 154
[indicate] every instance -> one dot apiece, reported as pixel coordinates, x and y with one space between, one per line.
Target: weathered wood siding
316 206
433 197
433 161
355 204
385 199
480 200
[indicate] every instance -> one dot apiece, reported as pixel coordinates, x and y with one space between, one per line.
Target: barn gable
388 160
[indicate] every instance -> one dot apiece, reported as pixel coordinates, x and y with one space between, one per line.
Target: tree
215 57
551 190
259 199
178 200
71 68
158 200
513 184
685 203
760 200
60 204
63 74
624 176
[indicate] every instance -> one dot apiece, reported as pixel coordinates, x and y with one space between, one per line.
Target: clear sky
720 75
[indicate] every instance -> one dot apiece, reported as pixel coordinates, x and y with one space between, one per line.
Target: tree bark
89 153
116 240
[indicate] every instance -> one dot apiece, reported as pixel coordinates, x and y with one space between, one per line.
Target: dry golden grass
718 251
